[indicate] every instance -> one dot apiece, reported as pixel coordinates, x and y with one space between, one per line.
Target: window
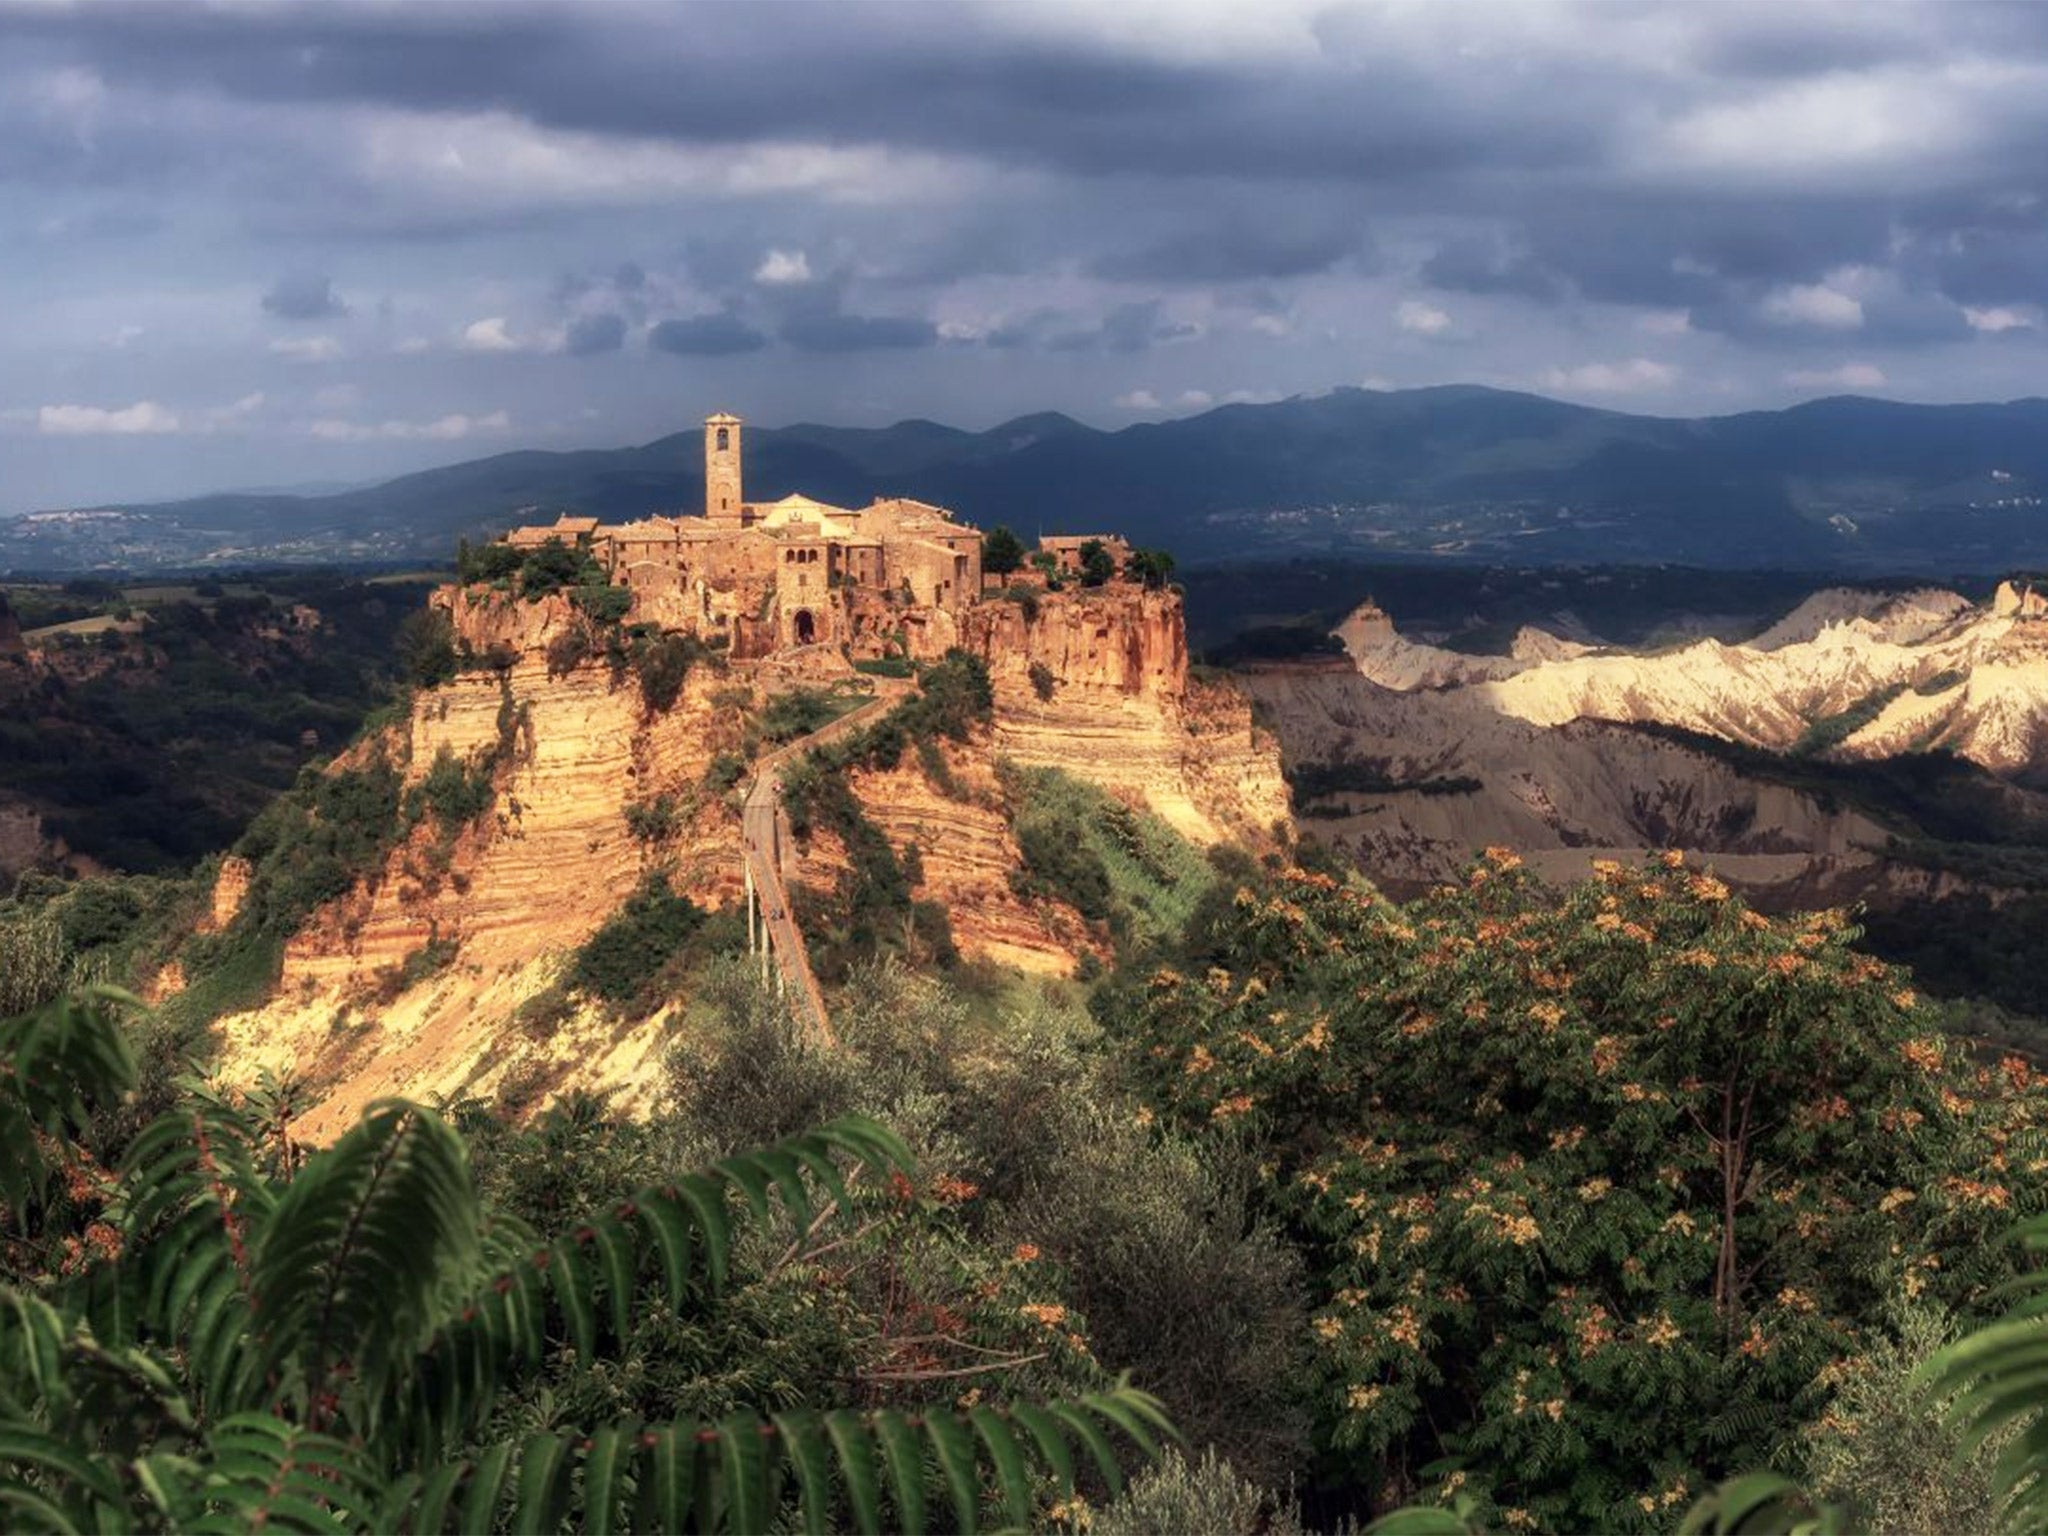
724 439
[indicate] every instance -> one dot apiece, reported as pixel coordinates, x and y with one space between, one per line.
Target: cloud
444 429
1665 322
832 332
1848 376
145 417
588 335
1421 319
304 297
782 268
1814 304
706 336
1635 376
490 336
307 349
1137 400
1998 318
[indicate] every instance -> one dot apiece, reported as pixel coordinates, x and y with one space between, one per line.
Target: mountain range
1458 472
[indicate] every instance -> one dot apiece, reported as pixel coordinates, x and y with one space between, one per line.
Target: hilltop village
762 577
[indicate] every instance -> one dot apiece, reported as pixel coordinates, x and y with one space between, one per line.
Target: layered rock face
1096 682
504 900
1560 779
530 880
1967 679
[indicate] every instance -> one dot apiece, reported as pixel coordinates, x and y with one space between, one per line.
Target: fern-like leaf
55 1065
363 1255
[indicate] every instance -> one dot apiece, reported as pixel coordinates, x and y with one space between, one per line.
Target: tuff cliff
1096 681
411 982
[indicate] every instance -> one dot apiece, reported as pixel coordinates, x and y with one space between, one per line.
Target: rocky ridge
1449 753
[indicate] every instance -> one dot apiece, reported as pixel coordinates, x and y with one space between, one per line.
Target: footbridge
772 932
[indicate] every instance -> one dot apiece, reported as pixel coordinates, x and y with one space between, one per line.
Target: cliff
1096 681
411 983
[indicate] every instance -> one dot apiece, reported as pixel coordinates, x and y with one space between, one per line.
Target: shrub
1208 1497
553 566
454 792
426 647
724 771
487 562
1098 565
663 665
1598 1185
568 650
604 604
622 963
650 821
1001 552
1042 681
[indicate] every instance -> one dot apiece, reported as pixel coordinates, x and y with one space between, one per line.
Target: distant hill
1453 472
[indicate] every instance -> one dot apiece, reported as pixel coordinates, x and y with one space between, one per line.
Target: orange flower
1024 1253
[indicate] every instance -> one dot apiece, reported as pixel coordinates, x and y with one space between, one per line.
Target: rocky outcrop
1935 669
1096 681
1561 797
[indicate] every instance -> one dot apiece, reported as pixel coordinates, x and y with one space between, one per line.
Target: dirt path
765 835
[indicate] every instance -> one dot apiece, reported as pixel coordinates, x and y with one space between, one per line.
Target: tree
260 1336
1001 552
1598 1185
1151 566
1098 565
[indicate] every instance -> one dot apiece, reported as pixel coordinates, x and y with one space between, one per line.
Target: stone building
791 572
1065 549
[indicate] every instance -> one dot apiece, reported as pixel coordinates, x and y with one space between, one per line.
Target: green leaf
543 1495
1011 1476
904 1453
955 1448
803 1442
603 1475
743 1461
855 1447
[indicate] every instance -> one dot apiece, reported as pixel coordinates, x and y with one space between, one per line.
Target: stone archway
806 627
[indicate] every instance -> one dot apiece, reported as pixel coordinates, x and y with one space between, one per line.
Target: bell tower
722 500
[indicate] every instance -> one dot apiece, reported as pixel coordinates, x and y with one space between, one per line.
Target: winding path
772 932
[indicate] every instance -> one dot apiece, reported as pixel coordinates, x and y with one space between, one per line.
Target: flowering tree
1600 1184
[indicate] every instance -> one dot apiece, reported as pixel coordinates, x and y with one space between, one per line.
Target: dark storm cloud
1251 247
591 334
304 297
839 332
982 209
706 336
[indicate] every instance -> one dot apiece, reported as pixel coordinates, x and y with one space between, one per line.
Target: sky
265 244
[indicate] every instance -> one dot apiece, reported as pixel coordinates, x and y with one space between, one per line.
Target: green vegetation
1151 567
553 566
1043 683
871 909
1318 781
1001 552
1596 1191
1098 565
232 1331
1832 730
800 711
148 751
627 962
652 821
1123 869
